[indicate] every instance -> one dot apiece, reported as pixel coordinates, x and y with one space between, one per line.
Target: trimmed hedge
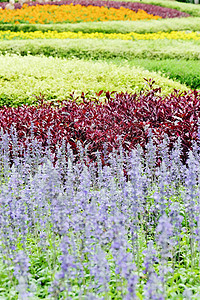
23 78
165 25
105 49
185 71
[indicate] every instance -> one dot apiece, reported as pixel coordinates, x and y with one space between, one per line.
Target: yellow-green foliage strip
97 49
165 25
23 77
174 35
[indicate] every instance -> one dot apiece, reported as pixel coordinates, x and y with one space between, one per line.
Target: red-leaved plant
122 119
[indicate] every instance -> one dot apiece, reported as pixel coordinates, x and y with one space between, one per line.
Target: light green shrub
105 49
113 26
23 77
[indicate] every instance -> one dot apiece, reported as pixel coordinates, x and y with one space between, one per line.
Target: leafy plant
121 119
99 50
167 25
23 77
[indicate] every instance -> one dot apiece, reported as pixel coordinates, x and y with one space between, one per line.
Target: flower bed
163 12
48 14
35 11
99 196
51 34
73 229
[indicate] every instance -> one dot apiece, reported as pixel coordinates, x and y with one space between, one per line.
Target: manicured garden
100 150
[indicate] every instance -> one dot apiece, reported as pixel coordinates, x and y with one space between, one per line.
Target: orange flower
46 14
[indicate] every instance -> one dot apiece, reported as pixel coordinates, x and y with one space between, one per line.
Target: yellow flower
8 35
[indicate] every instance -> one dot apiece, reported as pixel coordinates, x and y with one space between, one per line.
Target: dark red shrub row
163 12
122 117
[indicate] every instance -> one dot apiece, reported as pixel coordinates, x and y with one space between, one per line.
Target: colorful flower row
173 35
48 14
155 10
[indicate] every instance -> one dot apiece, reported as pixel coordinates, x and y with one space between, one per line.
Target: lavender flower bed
155 10
75 230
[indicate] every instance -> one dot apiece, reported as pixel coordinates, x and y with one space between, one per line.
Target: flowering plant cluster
74 230
53 34
48 14
82 11
155 10
123 119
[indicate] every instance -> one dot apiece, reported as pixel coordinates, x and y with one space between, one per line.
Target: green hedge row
186 1
166 25
105 49
185 71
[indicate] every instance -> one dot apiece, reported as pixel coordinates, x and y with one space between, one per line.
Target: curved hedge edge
89 49
165 25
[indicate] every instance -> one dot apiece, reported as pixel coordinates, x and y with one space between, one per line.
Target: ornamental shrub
121 120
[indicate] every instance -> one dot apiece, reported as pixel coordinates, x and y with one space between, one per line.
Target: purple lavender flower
164 232
153 288
21 272
131 287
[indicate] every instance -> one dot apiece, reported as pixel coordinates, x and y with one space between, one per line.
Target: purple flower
21 272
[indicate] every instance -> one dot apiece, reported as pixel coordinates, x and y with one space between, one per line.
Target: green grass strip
104 49
151 26
23 77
